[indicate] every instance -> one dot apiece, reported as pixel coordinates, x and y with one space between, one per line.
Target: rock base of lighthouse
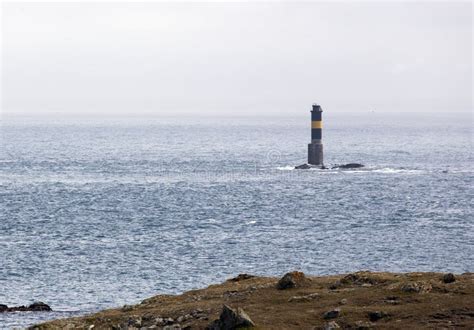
315 154
308 166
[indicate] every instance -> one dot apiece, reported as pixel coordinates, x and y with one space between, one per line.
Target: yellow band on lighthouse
316 124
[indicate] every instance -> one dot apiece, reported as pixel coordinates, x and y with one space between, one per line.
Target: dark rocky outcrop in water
34 307
322 167
303 167
348 166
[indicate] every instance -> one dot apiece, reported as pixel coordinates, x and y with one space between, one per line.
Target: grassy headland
361 300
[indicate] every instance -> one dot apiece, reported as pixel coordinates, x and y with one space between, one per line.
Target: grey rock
135 322
331 325
376 315
358 279
361 325
332 314
416 287
449 278
336 285
231 319
304 298
292 280
172 327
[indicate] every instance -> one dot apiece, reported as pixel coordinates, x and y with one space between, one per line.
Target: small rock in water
332 314
449 278
34 307
39 306
348 166
302 167
292 280
231 319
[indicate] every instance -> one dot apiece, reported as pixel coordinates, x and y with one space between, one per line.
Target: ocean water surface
101 212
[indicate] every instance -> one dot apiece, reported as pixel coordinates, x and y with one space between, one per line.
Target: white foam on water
389 170
286 168
366 170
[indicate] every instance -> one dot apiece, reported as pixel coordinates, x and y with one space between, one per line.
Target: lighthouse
315 148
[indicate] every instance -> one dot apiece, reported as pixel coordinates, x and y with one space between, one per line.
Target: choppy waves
99 216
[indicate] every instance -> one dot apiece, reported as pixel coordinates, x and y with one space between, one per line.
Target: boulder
376 315
332 314
292 280
416 287
449 278
231 319
360 279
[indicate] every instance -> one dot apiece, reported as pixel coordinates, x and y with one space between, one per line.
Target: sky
269 58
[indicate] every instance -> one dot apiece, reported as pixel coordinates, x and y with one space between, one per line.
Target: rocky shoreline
361 300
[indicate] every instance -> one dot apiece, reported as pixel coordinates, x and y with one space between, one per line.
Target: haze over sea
101 212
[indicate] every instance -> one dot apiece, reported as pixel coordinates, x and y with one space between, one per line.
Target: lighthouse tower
315 148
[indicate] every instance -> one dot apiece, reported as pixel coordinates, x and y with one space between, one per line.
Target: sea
103 211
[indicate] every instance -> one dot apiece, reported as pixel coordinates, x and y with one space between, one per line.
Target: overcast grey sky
259 58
